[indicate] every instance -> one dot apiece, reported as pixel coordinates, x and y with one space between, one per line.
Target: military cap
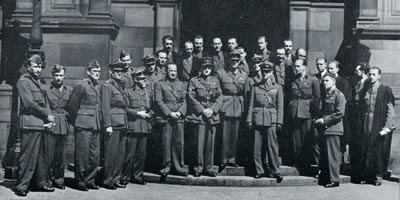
124 54
93 64
35 58
207 61
266 66
117 65
234 55
257 58
149 60
333 76
139 73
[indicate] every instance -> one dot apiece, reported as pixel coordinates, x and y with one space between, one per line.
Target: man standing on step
266 112
170 98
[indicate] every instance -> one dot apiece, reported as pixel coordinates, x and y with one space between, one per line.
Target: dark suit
266 111
343 85
113 104
333 110
218 60
172 56
34 110
170 96
57 138
138 130
204 92
234 87
188 68
302 108
84 108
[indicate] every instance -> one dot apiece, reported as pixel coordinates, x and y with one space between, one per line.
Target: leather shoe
278 177
93 187
163 178
110 187
210 173
82 188
181 174
46 189
60 186
221 167
140 181
197 174
257 176
118 185
21 193
332 184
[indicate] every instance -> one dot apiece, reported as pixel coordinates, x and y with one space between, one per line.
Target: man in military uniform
170 98
126 58
243 63
140 115
266 114
262 48
152 75
113 104
231 44
233 83
205 100
84 109
255 75
58 95
331 125
303 107
161 62
216 54
34 116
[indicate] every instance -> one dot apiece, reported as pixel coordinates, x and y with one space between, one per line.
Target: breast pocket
38 96
201 92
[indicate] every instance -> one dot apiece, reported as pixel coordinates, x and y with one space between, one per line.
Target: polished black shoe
278 178
45 189
123 182
221 167
332 184
21 193
163 178
110 187
82 188
93 187
59 186
181 174
257 176
210 173
118 185
140 181
197 174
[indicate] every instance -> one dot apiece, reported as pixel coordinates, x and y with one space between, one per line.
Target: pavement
156 191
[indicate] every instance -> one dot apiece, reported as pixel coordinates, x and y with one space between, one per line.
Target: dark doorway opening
243 19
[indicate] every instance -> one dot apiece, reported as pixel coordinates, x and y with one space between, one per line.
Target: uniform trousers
230 133
330 157
305 144
135 156
172 142
33 164
266 150
205 140
87 156
114 151
56 147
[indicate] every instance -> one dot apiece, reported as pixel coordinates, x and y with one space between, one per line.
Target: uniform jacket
265 53
113 104
139 100
200 54
58 102
218 60
153 78
84 105
279 73
266 104
34 108
186 70
204 93
162 70
169 96
304 98
128 80
332 112
234 87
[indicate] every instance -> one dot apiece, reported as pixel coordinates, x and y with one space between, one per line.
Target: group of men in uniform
206 93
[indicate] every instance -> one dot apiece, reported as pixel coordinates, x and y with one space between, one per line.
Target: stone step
238 181
240 171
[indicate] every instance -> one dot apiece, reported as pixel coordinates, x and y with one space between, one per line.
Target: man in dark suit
170 99
331 126
58 94
84 109
288 46
188 65
217 55
198 51
34 116
168 47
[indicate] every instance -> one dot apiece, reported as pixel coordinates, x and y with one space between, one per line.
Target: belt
94 107
59 110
